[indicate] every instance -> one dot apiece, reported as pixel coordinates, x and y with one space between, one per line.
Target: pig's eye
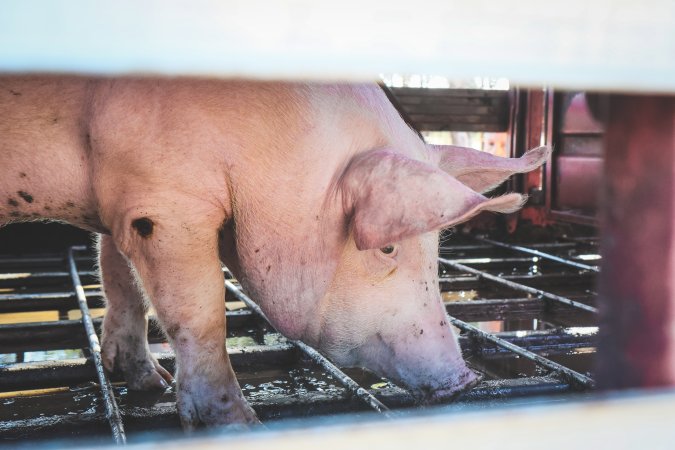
388 250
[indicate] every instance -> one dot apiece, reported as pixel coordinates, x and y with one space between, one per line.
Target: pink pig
320 199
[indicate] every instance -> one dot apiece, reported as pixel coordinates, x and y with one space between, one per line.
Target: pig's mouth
428 396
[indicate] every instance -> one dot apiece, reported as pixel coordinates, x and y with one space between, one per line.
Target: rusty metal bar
538 253
568 374
317 357
519 287
111 410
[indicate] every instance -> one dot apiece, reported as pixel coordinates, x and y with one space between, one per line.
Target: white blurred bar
590 44
622 422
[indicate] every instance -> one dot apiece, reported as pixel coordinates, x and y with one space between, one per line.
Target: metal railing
518 286
490 346
579 380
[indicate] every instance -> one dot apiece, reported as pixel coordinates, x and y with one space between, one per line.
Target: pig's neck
288 278
287 242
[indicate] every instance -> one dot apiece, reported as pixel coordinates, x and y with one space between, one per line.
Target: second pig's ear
390 197
483 171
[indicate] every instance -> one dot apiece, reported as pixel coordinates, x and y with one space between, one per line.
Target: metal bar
43 336
111 410
46 295
76 371
544 279
32 260
331 368
569 374
490 260
541 254
587 240
53 274
518 286
495 309
535 342
47 301
467 247
67 334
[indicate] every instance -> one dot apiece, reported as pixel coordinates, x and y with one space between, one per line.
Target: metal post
637 284
111 410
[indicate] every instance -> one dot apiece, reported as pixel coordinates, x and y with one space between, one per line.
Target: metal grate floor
526 314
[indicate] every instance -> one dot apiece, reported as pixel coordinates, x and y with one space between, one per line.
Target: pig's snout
462 383
440 375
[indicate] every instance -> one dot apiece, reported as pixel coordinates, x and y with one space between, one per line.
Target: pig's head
383 309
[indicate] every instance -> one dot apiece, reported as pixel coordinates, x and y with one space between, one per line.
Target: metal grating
525 310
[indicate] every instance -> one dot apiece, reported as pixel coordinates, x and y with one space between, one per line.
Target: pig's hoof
141 370
201 408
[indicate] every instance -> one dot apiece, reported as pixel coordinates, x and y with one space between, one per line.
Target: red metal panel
535 126
581 185
572 183
637 283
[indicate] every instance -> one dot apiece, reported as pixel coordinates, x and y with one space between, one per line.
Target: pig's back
43 141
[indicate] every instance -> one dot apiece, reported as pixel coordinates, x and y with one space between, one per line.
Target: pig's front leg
125 326
177 261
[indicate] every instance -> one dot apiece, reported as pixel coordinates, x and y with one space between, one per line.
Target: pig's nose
460 384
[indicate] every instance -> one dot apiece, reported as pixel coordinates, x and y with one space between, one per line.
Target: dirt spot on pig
12 202
172 330
26 196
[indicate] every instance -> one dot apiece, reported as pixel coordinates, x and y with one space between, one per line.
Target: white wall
572 43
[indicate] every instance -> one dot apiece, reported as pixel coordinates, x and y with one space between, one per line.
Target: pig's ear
390 197
483 171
